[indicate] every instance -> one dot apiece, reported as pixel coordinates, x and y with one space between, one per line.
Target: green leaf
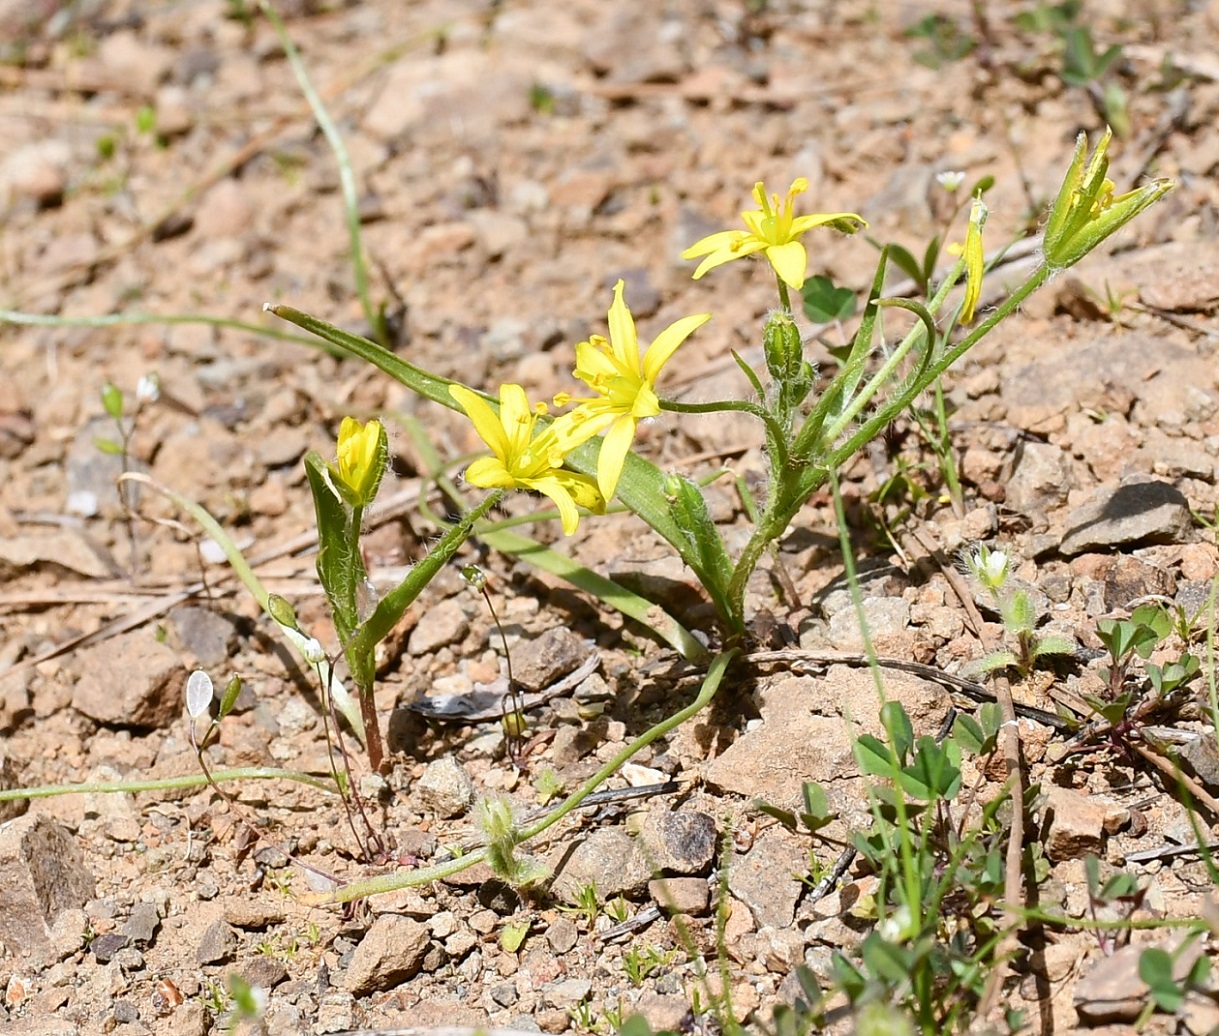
112 400
231 691
875 757
513 937
783 816
108 446
1155 968
932 775
817 813
968 733
899 728
824 302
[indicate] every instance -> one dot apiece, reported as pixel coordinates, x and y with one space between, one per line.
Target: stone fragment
219 944
37 172
335 1013
1077 824
206 635
141 927
497 232
764 878
1040 481
887 618
681 895
444 788
10 809
1139 509
437 627
562 935
681 842
104 947
391 952
1112 990
567 992
115 812
538 663
608 859
131 680
42 874
67 550
665 1012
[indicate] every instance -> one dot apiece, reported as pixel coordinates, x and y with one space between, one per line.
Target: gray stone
437 627
1041 479
562 935
538 663
104 947
141 927
764 878
1139 509
609 859
689 896
391 952
206 635
1077 824
886 617
567 992
42 874
444 788
219 944
682 842
1112 990
131 680
67 550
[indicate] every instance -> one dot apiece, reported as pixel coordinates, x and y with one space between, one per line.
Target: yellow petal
747 246
665 343
819 219
623 340
614 448
712 243
517 419
489 473
559 494
483 418
790 262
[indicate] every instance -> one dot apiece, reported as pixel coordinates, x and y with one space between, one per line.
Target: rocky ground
513 160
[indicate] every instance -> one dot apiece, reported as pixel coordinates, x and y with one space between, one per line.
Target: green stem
194 780
784 299
393 882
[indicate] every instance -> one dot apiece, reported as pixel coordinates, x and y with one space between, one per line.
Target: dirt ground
513 160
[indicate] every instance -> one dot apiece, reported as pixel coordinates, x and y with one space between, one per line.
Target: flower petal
623 339
593 362
614 448
665 343
748 247
485 422
489 473
790 262
517 418
559 493
712 243
819 219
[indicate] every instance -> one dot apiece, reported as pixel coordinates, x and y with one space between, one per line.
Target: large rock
391 952
1137 510
131 680
42 874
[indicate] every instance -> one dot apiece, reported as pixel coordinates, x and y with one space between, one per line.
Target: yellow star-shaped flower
774 229
522 459
624 383
361 460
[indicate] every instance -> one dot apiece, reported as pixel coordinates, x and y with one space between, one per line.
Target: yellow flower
625 384
523 460
975 258
361 460
773 229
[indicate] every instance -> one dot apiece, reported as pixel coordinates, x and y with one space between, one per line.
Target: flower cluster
529 449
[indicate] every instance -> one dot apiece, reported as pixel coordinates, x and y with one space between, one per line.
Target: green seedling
640 962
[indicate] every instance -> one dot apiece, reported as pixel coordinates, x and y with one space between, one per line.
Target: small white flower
950 180
148 389
896 927
990 567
